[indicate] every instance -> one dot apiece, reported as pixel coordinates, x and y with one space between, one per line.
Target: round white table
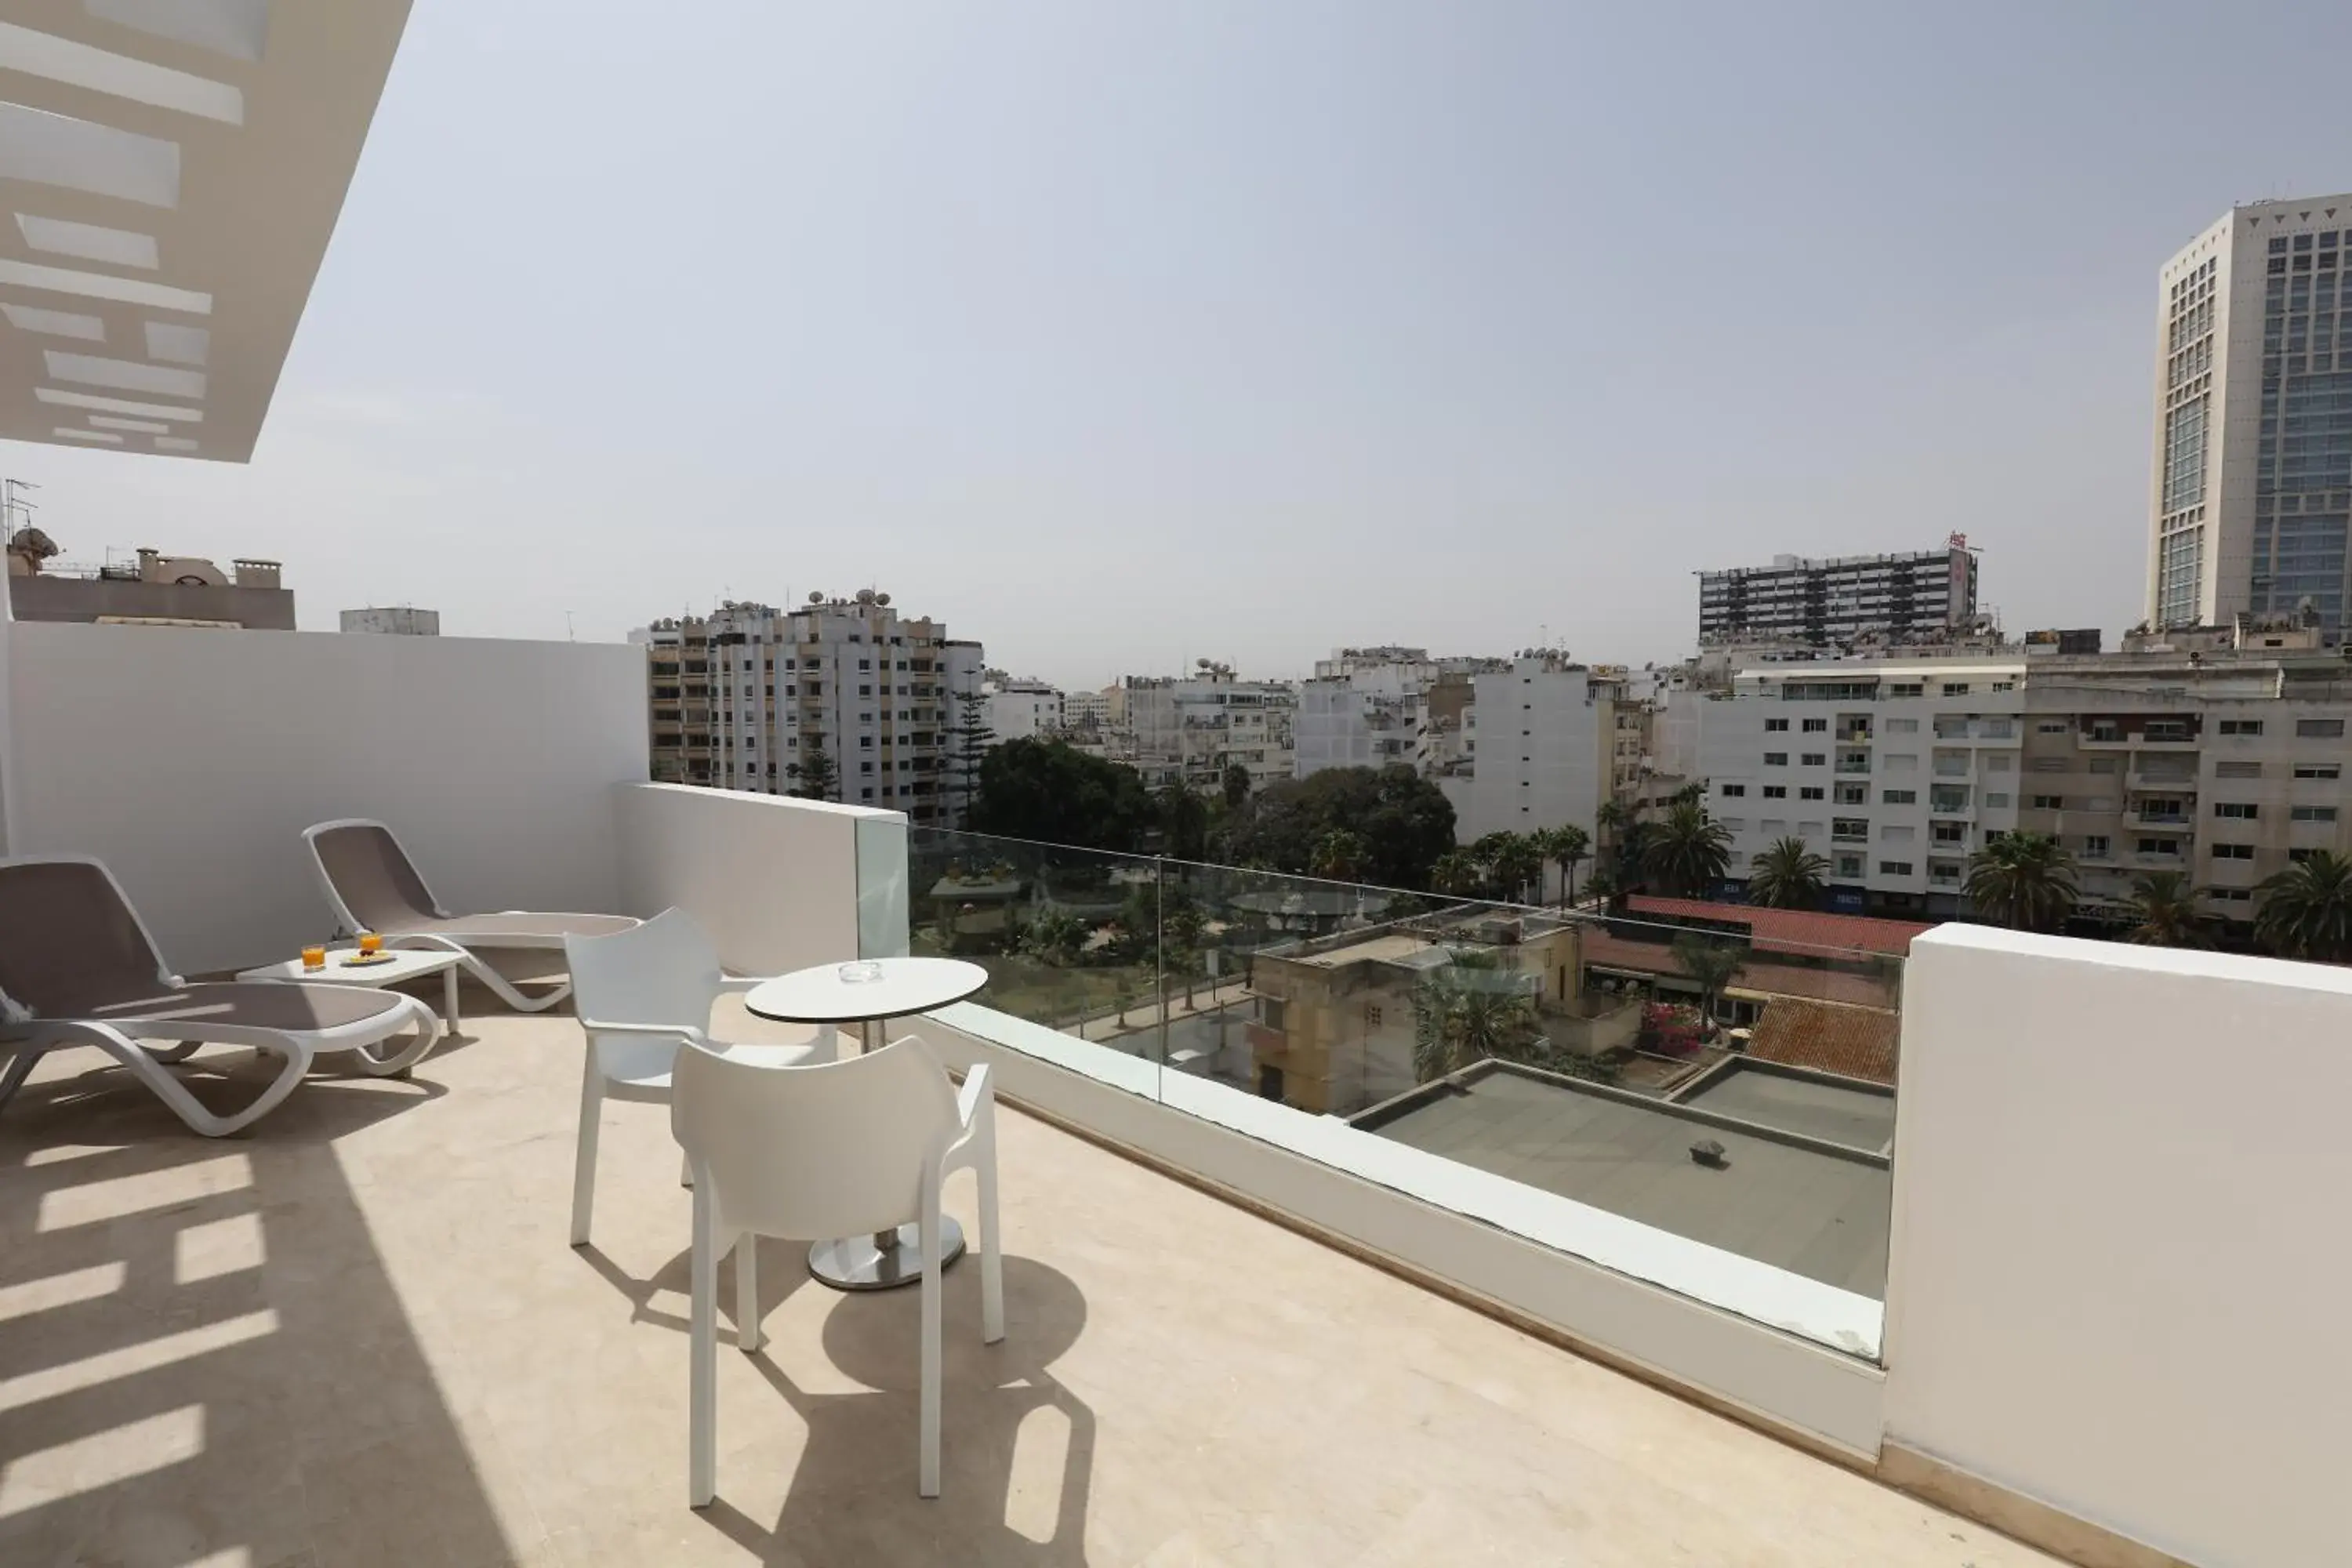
869 993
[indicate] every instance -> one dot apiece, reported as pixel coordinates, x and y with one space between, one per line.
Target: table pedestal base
859 1263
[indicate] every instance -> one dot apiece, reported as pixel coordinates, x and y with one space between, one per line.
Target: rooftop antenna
13 504
567 636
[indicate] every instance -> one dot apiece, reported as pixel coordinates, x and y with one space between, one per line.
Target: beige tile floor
356 1337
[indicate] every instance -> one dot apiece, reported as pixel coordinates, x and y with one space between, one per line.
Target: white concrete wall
190 759
776 881
2119 1272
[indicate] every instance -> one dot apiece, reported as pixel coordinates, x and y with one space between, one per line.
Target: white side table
869 994
407 963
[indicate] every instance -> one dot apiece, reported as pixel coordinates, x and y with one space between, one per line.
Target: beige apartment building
736 698
2226 766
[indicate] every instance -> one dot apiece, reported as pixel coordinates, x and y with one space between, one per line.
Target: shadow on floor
204 1356
1016 1448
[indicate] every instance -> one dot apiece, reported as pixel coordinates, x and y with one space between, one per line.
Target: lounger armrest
687 1032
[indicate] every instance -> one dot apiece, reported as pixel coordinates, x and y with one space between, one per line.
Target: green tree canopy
1470 1008
2306 911
2022 879
1184 821
1236 787
1787 876
1404 821
1711 965
1047 790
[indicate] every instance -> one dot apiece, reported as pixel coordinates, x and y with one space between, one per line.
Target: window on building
1956 688
1776 791
1776 724
2311 813
1853 795
2048 764
2240 810
1776 759
2094 846
2004 686
2052 727
2318 769
1899 798
2319 728
1996 801
1906 689
2165 729
1814 759
1894 868
2001 763
2049 803
1815 726
1732 792
2233 852
1812 791
1849 866
2242 726
1902 726
2229 895
2107 765
2234 770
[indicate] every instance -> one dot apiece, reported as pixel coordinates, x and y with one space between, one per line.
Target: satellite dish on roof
815 597
865 595
881 598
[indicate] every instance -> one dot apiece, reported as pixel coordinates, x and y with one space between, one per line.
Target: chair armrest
686 1032
975 1094
730 983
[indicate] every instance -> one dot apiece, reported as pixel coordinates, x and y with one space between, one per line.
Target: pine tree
815 776
968 738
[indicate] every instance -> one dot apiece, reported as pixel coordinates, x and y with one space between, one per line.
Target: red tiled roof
1788 929
1859 1042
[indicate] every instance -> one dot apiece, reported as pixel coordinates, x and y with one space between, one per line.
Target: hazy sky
1121 334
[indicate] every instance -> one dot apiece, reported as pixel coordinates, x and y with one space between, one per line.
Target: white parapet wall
778 883
2119 1274
190 759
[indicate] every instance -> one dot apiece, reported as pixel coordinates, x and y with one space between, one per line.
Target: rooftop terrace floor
356 1336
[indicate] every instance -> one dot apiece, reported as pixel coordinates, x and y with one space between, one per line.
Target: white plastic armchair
640 994
842 1149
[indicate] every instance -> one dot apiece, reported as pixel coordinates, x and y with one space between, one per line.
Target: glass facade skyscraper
2251 497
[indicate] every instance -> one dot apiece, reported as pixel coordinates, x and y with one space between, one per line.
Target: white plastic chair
640 993
842 1149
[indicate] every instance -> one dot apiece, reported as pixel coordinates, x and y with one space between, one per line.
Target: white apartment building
1553 739
1020 708
735 699
1085 709
1374 707
2250 481
1908 597
1894 771
1191 728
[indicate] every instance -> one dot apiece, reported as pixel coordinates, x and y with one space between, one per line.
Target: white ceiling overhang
170 173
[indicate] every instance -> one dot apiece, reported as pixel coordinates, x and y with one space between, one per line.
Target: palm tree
2022 879
1339 855
1787 876
1566 844
2307 910
1687 851
1471 1008
2164 907
1711 965
1455 872
1514 862
1611 819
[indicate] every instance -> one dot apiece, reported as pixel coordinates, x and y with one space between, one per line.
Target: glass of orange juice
314 956
370 945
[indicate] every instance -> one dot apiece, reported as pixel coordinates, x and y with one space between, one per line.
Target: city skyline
1120 343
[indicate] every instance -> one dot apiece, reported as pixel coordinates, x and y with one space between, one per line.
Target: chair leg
927 1462
583 1160
179 1053
424 1031
685 1172
992 1255
702 1358
748 1335
20 1068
